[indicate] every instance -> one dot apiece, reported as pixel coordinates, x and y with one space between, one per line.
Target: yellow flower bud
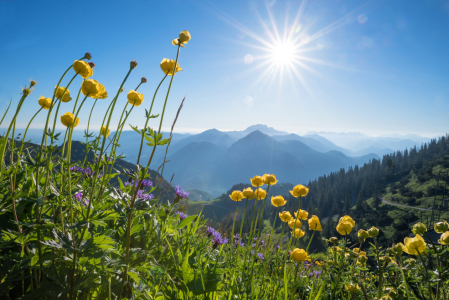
314 224
444 238
373 231
68 120
60 91
135 98
301 214
294 223
441 227
363 259
345 225
363 234
81 67
298 233
184 37
269 179
236 196
278 201
299 255
397 249
299 190
257 181
333 240
45 103
93 89
103 131
248 193
419 228
414 246
260 193
285 216
168 66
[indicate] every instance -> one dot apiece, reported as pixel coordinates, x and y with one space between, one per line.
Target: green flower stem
148 119
4 115
232 232
426 275
19 106
307 249
403 278
92 192
241 228
87 133
261 214
274 224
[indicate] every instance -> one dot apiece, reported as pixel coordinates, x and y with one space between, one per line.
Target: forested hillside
406 177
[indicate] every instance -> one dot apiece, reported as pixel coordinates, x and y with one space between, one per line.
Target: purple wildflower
218 239
182 215
310 274
210 231
317 273
78 196
181 193
262 243
252 252
260 256
253 245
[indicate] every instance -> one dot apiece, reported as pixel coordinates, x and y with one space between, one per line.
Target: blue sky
376 67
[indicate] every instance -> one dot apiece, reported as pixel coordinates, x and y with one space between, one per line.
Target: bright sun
283 53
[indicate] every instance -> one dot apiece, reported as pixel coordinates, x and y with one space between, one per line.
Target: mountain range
214 160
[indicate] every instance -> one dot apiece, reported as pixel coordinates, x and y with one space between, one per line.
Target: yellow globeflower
314 224
103 131
184 38
278 201
441 227
373 231
299 190
269 179
260 193
59 93
397 249
45 103
444 238
302 214
353 288
363 234
285 216
363 259
294 223
299 255
333 240
414 246
236 196
248 193
93 89
298 233
257 181
81 67
68 120
168 65
419 228
345 225
135 98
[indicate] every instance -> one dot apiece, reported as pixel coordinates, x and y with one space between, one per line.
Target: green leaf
185 222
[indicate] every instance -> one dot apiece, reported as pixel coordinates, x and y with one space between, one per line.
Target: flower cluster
217 239
181 193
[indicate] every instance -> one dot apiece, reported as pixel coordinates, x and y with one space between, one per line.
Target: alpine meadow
119 192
